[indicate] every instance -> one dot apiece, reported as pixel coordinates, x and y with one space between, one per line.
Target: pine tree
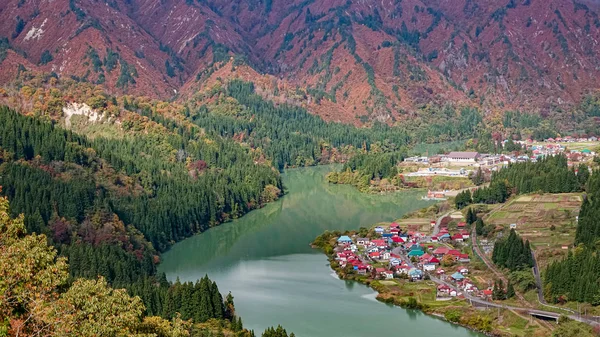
471 216
510 290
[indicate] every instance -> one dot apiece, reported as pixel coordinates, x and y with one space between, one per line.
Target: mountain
346 60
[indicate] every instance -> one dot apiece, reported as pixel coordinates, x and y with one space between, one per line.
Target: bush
453 316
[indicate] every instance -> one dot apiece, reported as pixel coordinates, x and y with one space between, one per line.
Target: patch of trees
499 293
46 57
512 253
19 26
576 277
549 175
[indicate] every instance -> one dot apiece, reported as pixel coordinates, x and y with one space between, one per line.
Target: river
265 260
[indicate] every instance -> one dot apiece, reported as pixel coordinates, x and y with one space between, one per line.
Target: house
443 290
457 237
394 262
379 243
461 225
463 270
415 274
387 235
464 258
457 276
341 256
416 253
425 257
465 234
378 230
440 271
434 260
389 274
445 237
397 239
362 241
453 293
385 255
362 269
375 255
394 226
487 293
403 269
344 239
372 250
462 157
416 247
454 253
434 239
429 267
440 251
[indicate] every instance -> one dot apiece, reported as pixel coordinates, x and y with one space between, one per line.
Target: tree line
547 175
575 278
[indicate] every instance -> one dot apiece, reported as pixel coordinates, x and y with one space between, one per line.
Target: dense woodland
288 134
111 206
576 277
40 299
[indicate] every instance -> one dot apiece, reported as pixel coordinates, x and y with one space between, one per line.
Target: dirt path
492 267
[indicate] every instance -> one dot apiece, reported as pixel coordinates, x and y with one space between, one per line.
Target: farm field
548 221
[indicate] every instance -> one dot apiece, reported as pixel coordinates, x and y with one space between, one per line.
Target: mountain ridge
349 61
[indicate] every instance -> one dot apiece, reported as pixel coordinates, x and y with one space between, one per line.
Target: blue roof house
415 273
457 276
416 253
344 239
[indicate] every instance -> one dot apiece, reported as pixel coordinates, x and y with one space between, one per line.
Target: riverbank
410 291
264 259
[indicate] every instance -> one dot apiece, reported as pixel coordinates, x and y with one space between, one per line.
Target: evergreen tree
471 216
510 290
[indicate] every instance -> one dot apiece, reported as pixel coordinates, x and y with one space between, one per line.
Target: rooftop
463 155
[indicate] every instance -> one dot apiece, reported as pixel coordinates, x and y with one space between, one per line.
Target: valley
166 165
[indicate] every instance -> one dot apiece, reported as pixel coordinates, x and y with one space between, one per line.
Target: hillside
349 61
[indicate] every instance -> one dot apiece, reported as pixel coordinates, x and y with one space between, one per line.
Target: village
453 170
394 253
457 164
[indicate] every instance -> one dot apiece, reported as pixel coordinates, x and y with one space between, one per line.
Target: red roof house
441 251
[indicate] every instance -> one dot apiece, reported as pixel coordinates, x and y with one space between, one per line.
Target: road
490 265
538 280
476 301
438 223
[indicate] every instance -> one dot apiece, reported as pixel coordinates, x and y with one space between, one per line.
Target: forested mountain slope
350 61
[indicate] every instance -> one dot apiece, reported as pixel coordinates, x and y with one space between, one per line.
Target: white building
462 157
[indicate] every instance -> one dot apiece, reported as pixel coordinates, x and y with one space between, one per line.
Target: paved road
476 301
438 223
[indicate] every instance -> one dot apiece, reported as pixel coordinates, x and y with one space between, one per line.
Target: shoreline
423 308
